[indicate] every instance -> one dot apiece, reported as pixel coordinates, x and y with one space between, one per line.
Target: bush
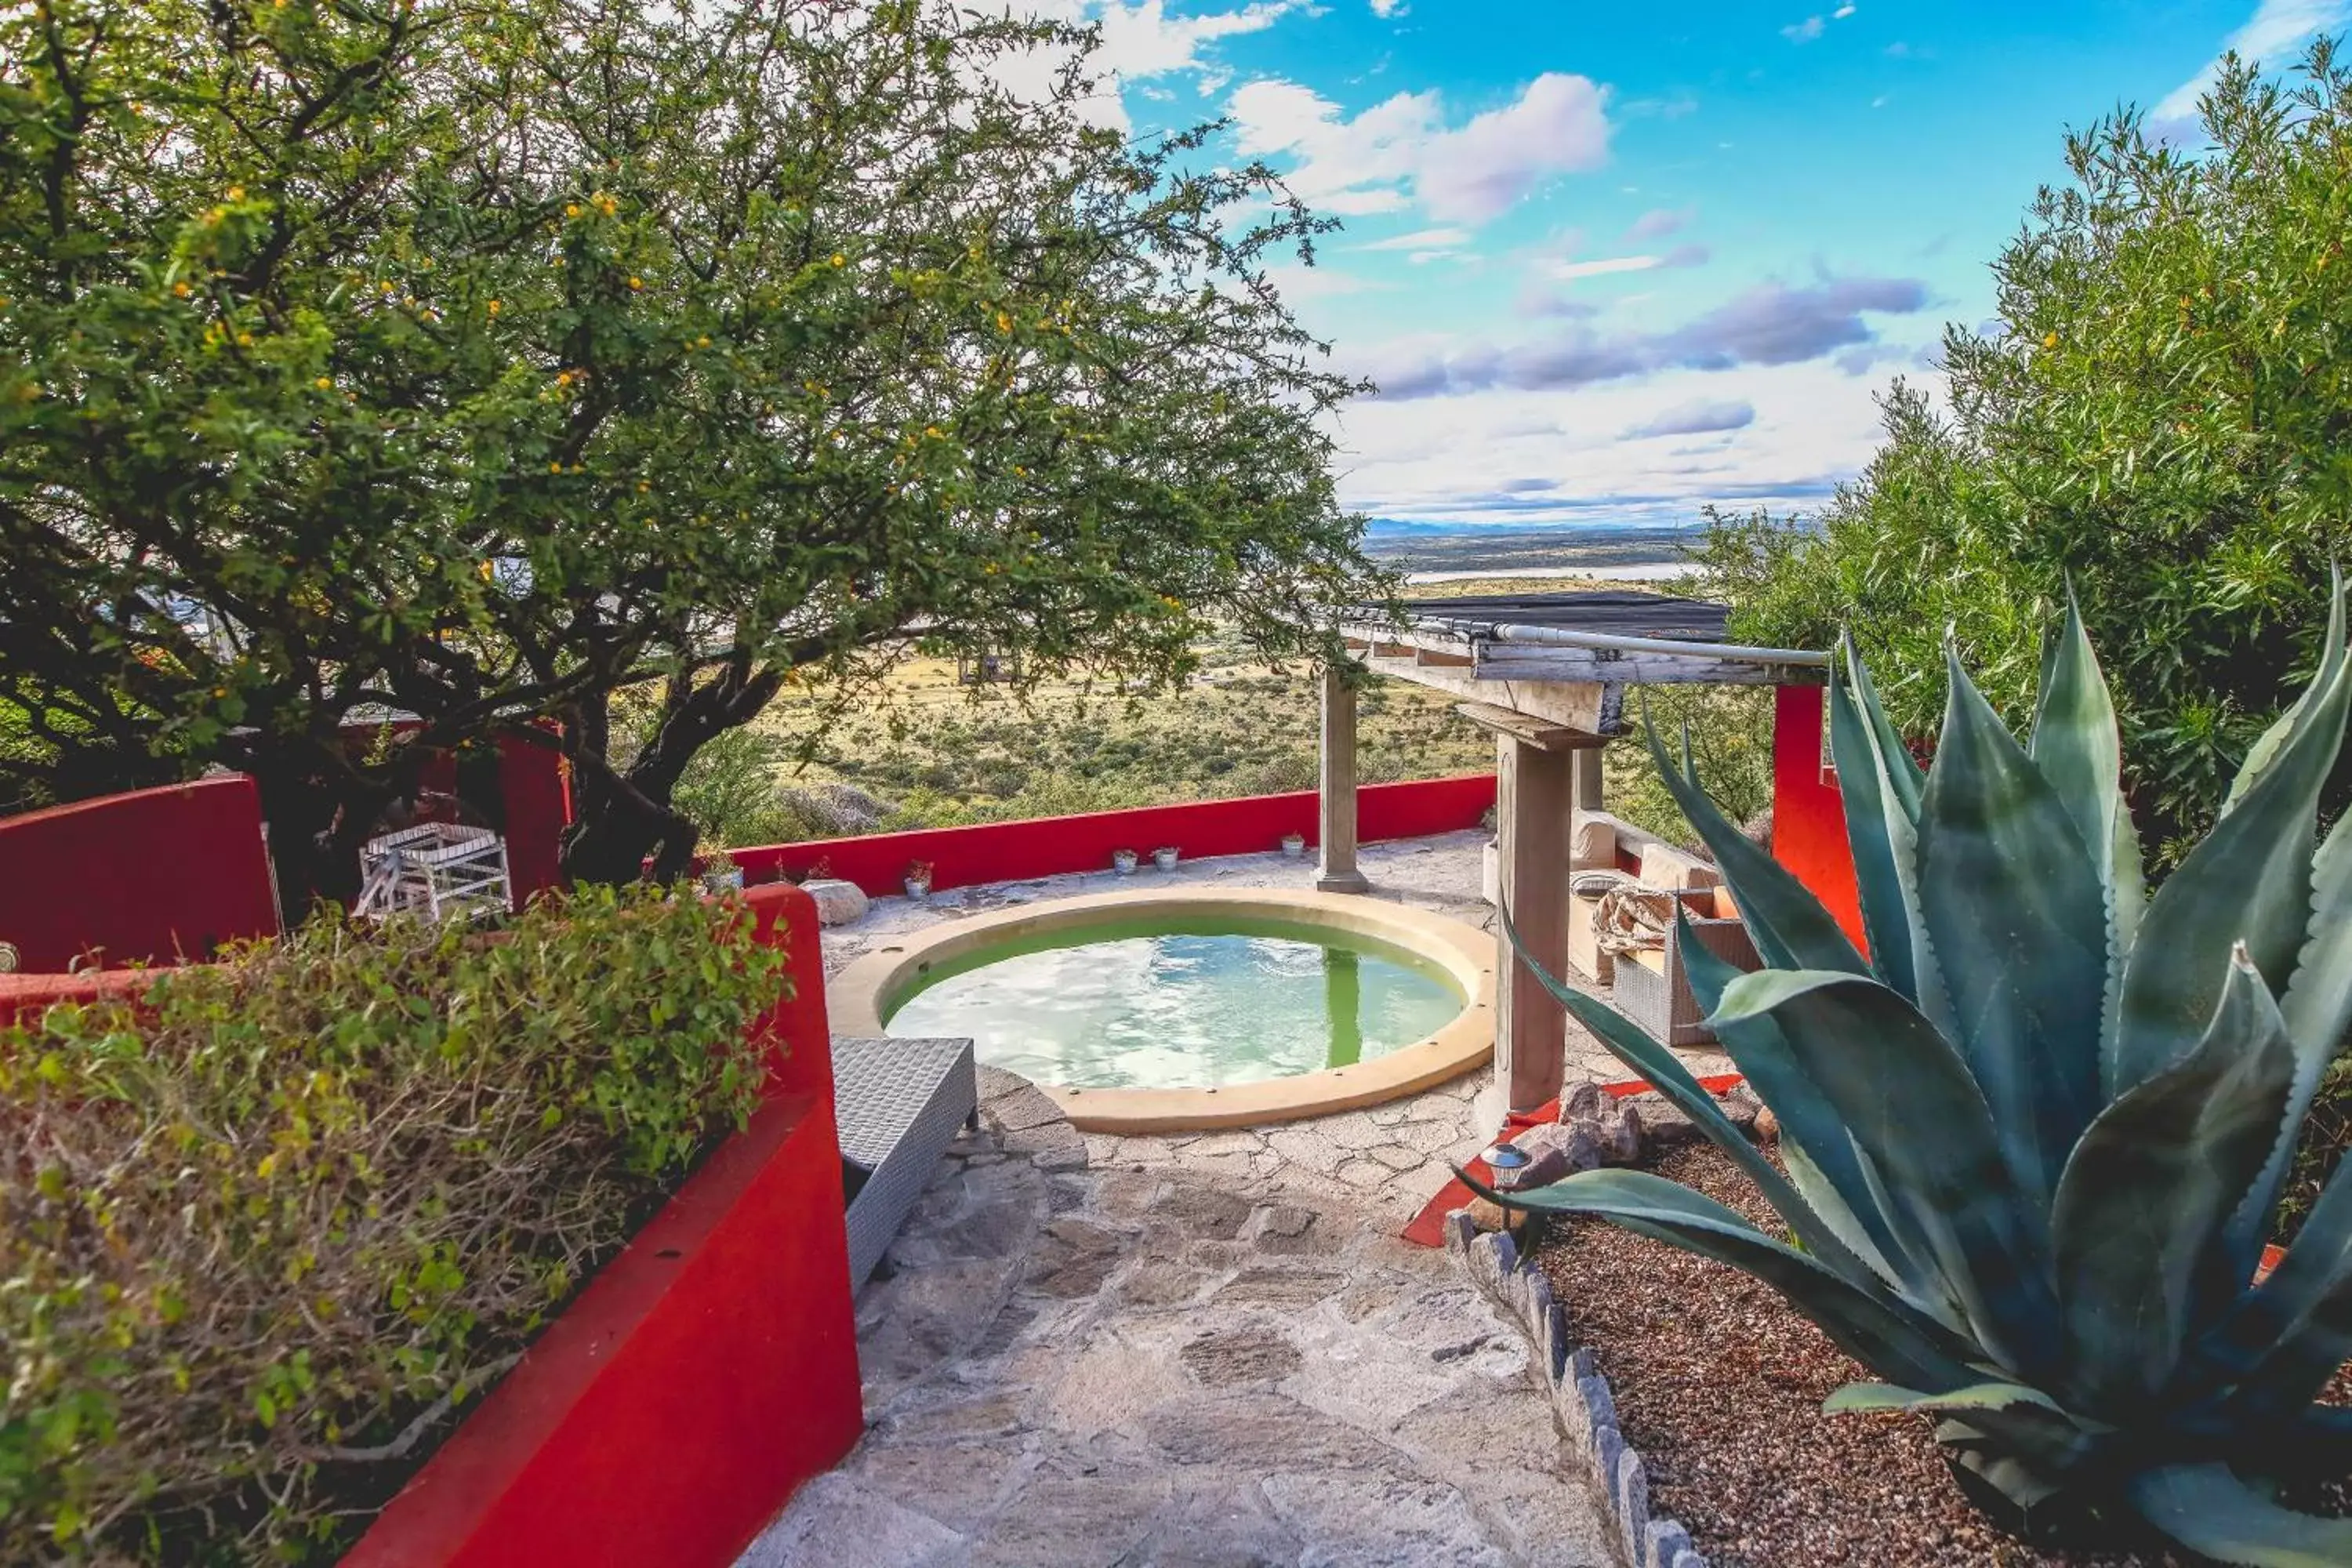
265 1227
1730 729
2159 417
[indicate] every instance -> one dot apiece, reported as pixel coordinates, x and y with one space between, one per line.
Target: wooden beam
1426 656
1570 705
1529 730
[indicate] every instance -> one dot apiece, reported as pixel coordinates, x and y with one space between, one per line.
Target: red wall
1807 813
1044 846
146 877
703 1375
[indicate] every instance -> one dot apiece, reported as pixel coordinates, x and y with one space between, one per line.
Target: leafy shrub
1730 731
2035 1144
2158 415
260 1229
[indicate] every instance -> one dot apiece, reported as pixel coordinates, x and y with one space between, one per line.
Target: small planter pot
1164 858
1123 862
1294 846
918 888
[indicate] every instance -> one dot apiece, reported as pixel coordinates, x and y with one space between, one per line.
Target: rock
1487 1215
837 902
1768 1126
1240 1355
1582 1103
1662 1125
1556 1150
1742 1105
1619 1132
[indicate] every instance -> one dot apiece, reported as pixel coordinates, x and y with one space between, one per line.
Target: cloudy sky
1610 263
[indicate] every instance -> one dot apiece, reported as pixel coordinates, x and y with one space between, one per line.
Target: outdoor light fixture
1509 1162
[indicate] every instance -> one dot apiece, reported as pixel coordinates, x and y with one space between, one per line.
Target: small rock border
1581 1401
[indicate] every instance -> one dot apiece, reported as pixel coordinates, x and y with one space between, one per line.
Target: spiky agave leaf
2110 1335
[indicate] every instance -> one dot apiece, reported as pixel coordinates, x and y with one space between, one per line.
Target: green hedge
263 1232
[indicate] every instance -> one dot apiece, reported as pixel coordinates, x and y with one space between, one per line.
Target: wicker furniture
1649 986
896 1105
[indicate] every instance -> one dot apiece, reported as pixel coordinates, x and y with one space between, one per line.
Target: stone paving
1194 1349
1172 1367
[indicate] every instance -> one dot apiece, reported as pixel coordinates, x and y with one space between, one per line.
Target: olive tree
2163 416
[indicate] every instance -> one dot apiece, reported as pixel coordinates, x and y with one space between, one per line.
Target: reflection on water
1181 1010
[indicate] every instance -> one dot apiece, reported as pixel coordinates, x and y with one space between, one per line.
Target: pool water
1170 1007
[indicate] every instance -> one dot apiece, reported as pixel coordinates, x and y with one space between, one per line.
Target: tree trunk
625 818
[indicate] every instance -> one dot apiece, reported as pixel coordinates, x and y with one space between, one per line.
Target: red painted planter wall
706 1373
1807 813
1045 846
145 878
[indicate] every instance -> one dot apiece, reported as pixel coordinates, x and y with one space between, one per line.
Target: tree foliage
481 361
2163 416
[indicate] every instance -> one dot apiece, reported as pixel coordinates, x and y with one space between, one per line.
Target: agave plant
2034 1140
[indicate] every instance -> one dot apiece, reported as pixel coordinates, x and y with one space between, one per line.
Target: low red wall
143 878
1808 813
702 1376
1045 846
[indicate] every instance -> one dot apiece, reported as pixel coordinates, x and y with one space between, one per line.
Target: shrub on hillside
263 1228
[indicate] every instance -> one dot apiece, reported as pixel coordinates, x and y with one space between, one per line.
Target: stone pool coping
858 996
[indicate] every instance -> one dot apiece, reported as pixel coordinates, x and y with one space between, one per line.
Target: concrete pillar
1588 779
1535 793
1336 872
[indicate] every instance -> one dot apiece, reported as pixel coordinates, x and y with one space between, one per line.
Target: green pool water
1175 1005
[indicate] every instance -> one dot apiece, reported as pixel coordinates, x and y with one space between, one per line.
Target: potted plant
1164 857
919 879
1294 846
722 875
1123 862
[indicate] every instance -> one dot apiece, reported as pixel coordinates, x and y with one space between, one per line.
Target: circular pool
1157 1011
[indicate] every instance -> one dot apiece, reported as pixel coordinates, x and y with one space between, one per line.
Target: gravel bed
1719 1386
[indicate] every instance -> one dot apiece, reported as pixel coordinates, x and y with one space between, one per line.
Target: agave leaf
2209 1510
1880 1333
2282 1340
2017 916
2265 750
1883 836
2317 1008
1790 928
2079 749
1977 1451
1814 1143
2249 880
1658 1066
1905 779
1917 1116
2139 1226
2023 1420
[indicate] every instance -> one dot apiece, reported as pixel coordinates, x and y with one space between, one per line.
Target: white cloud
1486 456
1841 14
1604 266
1401 149
1660 221
1803 31
2277 28
1422 239
1140 42
1387 7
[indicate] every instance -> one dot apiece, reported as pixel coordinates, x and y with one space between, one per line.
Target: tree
481 361
2164 419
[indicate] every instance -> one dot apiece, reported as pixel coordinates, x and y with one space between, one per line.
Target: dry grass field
927 751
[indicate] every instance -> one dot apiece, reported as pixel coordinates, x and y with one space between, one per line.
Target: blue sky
1614 263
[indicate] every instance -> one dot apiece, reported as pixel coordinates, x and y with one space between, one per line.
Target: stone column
1336 873
1588 779
1532 804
